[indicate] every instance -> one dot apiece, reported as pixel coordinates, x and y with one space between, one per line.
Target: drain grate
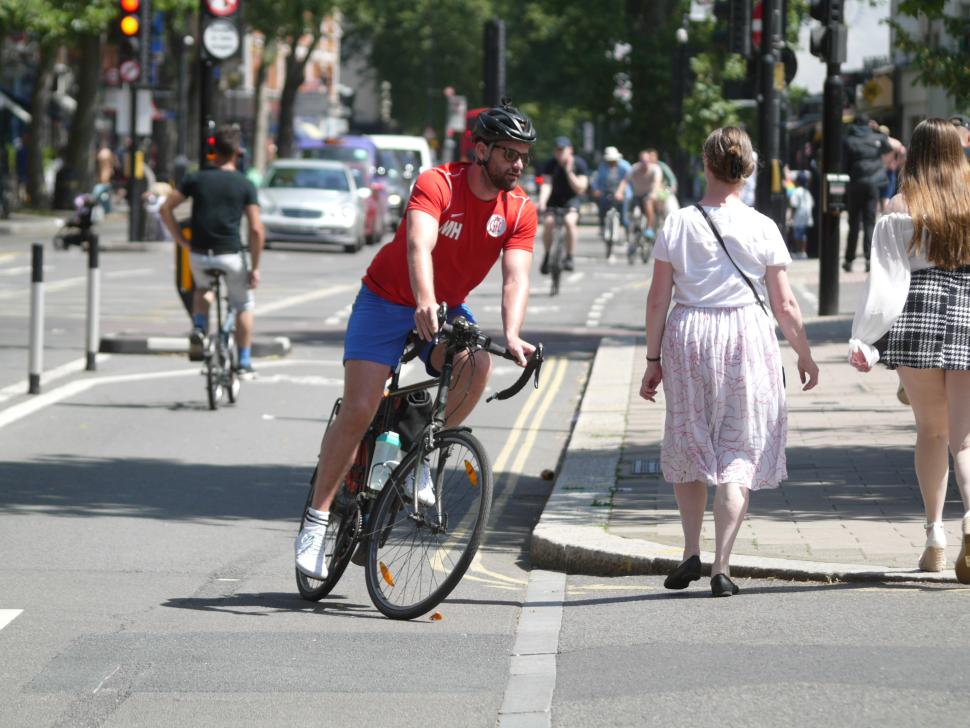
648 466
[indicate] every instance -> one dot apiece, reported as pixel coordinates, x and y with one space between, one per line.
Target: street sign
220 39
757 23
222 8
129 71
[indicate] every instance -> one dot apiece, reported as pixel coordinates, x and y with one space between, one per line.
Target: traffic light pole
828 254
769 114
206 90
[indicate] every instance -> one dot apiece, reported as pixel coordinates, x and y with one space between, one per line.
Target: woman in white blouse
718 357
918 296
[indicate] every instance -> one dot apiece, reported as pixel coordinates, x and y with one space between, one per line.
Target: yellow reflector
386 573
472 475
129 25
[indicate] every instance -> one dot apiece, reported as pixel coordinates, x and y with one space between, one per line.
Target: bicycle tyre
464 492
555 262
345 525
233 383
213 383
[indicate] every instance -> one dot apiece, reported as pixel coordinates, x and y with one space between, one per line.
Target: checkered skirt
933 331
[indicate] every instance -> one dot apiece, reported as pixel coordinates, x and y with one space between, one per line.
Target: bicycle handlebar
462 333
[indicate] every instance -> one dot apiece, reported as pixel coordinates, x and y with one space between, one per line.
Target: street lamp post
680 69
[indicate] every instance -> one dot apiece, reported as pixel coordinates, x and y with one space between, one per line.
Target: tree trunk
38 132
261 122
77 173
295 69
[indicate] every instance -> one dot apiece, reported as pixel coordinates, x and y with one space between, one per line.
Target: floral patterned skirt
727 420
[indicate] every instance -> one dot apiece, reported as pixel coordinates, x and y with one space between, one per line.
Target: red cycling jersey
471 234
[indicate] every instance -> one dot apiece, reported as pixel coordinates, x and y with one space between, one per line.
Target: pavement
850 510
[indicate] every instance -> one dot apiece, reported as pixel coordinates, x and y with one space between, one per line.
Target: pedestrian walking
802 204
717 355
864 153
918 297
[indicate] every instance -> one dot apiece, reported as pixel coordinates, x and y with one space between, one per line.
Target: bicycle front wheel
418 554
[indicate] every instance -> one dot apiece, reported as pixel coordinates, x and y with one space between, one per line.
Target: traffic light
732 29
210 140
828 41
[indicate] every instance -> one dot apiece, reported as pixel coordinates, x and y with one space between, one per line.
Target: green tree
935 64
289 22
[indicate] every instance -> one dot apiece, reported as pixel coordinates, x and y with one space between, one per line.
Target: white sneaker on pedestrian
311 556
425 484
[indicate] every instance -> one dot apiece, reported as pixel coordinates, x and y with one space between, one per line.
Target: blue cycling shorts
378 330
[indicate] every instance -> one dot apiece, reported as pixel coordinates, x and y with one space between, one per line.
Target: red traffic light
130 6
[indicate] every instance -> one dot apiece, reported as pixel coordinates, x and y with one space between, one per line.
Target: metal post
36 317
134 193
205 107
94 304
828 254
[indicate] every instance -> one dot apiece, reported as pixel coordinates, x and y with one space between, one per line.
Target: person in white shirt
916 306
717 355
802 203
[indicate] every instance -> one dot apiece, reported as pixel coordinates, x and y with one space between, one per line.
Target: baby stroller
79 229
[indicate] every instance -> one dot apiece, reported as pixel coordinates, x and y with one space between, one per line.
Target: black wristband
649 359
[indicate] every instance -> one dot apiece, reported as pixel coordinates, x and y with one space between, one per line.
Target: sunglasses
960 121
512 156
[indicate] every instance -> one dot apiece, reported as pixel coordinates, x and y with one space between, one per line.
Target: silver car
314 201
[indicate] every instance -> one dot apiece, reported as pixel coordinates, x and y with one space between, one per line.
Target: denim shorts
378 330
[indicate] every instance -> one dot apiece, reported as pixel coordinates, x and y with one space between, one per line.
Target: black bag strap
717 234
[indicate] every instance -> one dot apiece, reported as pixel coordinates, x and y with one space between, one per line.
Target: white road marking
47 377
810 298
341 315
64 283
9 615
40 401
105 679
306 297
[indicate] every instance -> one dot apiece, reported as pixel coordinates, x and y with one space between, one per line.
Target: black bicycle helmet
504 123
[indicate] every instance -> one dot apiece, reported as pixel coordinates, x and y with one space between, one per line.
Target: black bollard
94 304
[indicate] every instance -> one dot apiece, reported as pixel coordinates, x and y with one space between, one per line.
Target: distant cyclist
606 183
565 178
462 217
645 179
221 196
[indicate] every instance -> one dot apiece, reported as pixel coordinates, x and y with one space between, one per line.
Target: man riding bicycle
221 195
606 186
645 179
565 179
461 217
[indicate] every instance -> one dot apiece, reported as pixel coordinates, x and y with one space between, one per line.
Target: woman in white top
718 357
919 294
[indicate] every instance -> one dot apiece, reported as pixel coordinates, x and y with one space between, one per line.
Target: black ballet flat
683 575
722 586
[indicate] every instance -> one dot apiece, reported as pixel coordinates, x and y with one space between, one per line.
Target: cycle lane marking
9 615
75 365
306 297
41 401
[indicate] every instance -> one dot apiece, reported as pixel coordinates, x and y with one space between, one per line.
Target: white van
413 151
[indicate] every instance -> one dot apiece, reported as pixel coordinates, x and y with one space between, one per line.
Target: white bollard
36 318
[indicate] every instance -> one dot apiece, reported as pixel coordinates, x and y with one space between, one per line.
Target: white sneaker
311 556
425 484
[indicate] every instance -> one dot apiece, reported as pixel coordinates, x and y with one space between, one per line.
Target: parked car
359 153
317 201
413 151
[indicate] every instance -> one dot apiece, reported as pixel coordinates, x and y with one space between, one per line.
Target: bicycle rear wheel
213 374
417 555
233 384
343 532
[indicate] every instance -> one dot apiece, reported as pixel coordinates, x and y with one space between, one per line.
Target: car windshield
309 179
339 153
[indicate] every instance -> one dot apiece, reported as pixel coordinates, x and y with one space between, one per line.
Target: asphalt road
147 576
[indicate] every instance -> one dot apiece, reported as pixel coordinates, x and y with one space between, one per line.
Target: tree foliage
937 65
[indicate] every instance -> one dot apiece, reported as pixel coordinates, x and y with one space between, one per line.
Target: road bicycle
414 554
220 355
641 238
557 250
612 226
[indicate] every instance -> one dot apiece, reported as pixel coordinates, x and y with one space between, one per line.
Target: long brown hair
936 186
729 155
